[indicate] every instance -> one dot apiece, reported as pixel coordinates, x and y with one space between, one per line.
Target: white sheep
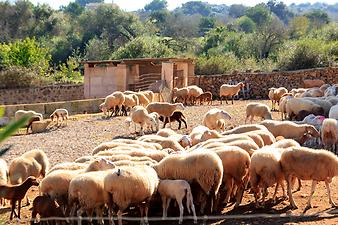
164 142
245 128
139 115
164 109
130 101
180 94
326 105
68 166
309 164
196 134
184 140
285 143
131 185
282 105
143 100
60 114
153 154
275 95
176 189
149 94
228 90
203 167
3 177
194 92
33 116
329 134
213 119
295 105
333 114
112 102
257 109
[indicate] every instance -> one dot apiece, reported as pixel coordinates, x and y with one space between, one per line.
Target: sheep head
312 131
32 181
225 115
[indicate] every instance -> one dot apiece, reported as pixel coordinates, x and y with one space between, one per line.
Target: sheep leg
180 205
146 209
246 118
119 216
299 184
229 186
169 122
275 194
239 194
164 207
13 202
167 206
232 99
327 184
292 201
313 187
226 99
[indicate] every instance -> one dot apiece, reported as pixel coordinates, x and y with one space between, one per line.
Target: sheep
282 105
236 164
177 116
312 92
130 101
266 136
296 91
45 207
203 167
265 170
3 177
196 134
33 116
289 129
333 114
331 91
59 114
88 191
68 166
164 109
285 143
165 132
56 185
184 140
245 128
228 90
180 93
113 101
275 94
126 143
309 164
164 142
15 193
205 97
326 105
329 134
194 92
257 109
153 154
141 116
131 185
212 118
149 94
143 100
295 105
311 119
176 189
312 83
117 157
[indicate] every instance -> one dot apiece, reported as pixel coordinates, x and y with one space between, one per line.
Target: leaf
12 127
2 112
4 150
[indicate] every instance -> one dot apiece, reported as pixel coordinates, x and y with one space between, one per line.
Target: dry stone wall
259 83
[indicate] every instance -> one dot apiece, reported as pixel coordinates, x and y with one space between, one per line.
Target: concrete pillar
167 73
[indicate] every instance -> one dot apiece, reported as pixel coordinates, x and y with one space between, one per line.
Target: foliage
144 47
73 9
298 26
237 11
318 18
196 7
69 71
280 10
156 5
97 49
206 23
260 14
245 24
85 2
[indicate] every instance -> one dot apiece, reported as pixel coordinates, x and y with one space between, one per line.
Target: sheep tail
190 200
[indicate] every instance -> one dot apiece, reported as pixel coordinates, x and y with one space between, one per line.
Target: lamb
88 190
203 167
275 94
131 185
15 193
289 129
60 114
257 109
164 109
228 90
3 177
177 116
33 116
194 92
265 170
176 189
112 102
329 134
180 93
333 114
295 161
141 116
295 105
205 97
245 128
212 118
45 207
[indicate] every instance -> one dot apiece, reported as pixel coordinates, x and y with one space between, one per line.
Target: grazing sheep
245 128
329 134
194 92
126 143
312 92
60 114
309 164
180 93
289 129
112 102
196 134
282 105
149 94
326 105
312 83
131 185
15 193
228 90
130 101
164 142
68 166
295 105
257 109
285 143
3 177
177 116
205 97
203 167
87 192
166 132
176 189
212 118
153 154
298 91
165 109
143 100
184 140
275 94
266 136
333 114
141 116
33 116
45 207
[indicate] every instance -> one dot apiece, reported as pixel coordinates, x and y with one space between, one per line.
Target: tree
280 10
97 49
298 26
74 9
318 18
237 10
156 5
179 25
206 23
260 14
245 24
85 2
196 7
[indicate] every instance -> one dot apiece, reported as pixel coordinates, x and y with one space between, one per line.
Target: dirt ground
84 132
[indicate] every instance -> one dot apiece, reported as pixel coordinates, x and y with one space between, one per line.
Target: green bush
68 72
217 64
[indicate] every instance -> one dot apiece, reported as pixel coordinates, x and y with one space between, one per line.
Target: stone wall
259 83
41 94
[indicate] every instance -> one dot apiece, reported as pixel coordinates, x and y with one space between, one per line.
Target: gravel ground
84 132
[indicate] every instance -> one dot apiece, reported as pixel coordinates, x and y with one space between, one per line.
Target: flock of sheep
208 168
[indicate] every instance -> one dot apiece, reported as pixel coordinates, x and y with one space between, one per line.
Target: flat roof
138 61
